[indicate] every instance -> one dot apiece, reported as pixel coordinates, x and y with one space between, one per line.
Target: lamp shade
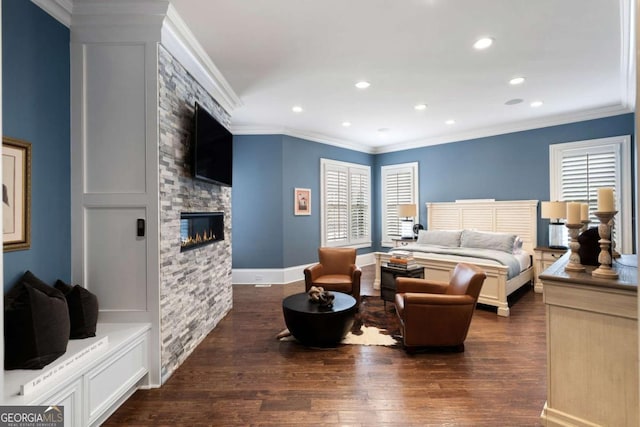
555 210
407 210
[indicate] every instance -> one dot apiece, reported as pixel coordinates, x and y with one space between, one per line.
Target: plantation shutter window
584 173
578 169
399 186
346 217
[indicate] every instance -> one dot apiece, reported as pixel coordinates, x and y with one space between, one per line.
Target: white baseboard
281 276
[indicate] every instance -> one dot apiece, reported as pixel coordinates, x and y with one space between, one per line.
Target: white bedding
515 263
524 259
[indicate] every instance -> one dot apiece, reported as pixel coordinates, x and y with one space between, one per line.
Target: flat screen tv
212 151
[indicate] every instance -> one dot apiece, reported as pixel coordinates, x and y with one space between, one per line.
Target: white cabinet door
116 259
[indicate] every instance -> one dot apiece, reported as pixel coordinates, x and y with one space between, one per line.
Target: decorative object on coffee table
317 326
321 297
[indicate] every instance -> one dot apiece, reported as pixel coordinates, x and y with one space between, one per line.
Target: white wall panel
115 118
116 259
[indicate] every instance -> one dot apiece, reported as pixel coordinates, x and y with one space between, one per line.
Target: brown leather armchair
337 271
438 314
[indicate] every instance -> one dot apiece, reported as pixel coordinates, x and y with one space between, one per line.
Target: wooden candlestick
574 259
604 258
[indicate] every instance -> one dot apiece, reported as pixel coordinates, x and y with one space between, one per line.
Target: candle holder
574 259
604 258
614 252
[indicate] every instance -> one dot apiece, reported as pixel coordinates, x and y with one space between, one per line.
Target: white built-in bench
92 379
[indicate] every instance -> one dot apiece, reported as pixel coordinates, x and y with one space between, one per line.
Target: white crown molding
562 119
309 136
178 39
525 125
61 10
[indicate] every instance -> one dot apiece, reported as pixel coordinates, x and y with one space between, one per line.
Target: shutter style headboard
519 217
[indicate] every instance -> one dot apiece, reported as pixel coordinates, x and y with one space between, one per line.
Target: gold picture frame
302 201
16 194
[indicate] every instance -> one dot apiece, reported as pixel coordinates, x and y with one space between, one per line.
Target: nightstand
544 258
398 243
388 279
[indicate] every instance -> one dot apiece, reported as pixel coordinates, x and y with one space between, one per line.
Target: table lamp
407 212
555 211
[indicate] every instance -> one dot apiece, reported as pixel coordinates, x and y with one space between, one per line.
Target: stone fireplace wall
195 288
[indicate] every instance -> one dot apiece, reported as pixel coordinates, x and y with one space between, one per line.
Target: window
578 169
346 207
399 186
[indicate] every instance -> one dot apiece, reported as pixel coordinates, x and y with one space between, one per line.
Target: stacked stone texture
195 288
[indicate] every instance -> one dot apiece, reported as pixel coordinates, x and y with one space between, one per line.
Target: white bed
516 217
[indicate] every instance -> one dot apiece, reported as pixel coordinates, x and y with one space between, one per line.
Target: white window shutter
399 186
578 169
346 210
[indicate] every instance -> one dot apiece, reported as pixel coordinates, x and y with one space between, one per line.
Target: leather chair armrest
312 273
437 299
408 284
356 274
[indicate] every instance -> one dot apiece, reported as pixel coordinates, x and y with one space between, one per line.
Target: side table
544 258
398 243
388 276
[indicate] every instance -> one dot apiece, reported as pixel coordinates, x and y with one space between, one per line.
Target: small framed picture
16 194
302 201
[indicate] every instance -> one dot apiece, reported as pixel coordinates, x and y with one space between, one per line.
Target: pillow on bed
488 240
517 245
449 238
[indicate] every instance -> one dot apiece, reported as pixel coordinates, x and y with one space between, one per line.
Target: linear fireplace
200 228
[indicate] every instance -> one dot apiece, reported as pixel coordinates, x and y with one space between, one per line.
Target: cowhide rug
373 325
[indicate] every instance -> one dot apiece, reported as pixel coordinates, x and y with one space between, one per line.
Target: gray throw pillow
450 238
488 240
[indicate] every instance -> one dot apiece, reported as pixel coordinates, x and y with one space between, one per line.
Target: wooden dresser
592 346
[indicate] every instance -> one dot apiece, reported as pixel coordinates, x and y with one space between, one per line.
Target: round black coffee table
316 326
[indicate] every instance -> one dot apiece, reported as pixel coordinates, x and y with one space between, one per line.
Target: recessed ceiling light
483 43
297 109
516 81
363 85
346 124
420 107
450 122
514 101
536 104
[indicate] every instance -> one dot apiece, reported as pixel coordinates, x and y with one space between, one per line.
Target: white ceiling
575 55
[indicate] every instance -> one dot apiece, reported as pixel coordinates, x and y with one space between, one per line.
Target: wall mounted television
212 150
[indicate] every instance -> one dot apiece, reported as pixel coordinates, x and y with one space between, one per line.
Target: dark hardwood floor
241 375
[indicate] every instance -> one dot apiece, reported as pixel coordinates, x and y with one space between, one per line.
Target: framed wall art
16 194
302 201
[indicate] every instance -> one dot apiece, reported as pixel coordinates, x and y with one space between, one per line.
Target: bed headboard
519 217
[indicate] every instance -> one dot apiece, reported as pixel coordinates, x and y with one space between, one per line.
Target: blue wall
512 166
36 108
267 169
